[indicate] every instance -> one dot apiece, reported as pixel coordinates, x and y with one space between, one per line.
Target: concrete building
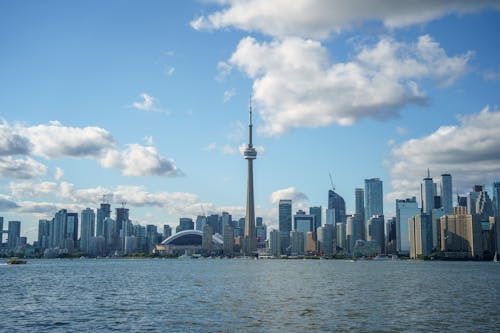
420 228
310 244
275 247
354 231
341 235
249 238
228 239
461 236
206 242
376 231
326 240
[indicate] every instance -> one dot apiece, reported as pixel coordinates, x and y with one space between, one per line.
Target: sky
147 102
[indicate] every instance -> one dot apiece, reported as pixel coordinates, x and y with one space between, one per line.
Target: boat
16 262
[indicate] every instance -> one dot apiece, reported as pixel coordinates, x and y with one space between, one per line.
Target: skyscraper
87 228
376 231
405 209
337 203
14 234
420 235
249 235
427 194
303 222
1 231
359 208
496 198
374 199
285 223
447 193
316 212
102 213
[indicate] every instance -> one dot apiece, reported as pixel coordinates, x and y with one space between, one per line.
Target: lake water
215 295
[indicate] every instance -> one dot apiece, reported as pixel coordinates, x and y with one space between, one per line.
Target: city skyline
153 113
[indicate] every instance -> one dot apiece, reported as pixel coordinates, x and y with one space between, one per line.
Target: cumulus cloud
55 140
51 141
21 168
296 85
148 103
59 173
468 151
137 160
320 18
170 71
6 204
290 193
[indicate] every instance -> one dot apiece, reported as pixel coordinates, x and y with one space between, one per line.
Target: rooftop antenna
428 173
331 181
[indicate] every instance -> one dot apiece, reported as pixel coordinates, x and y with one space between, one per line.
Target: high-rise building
228 240
1 231
359 207
14 235
201 220
185 223
206 240
391 238
420 235
326 240
337 203
102 213
275 247
353 232
310 245
87 228
341 235
472 198
376 231
60 224
303 222
435 217
427 194
316 212
249 239
72 227
462 235
496 198
405 208
484 206
167 231
374 198
447 193
285 223
297 243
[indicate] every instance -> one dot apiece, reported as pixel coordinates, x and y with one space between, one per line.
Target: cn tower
249 247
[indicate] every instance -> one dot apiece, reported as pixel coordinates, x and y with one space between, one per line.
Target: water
210 295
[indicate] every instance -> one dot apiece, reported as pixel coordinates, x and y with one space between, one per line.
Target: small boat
16 262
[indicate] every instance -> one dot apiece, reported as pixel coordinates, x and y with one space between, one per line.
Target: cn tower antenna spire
250 123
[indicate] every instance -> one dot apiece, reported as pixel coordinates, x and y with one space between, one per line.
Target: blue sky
147 102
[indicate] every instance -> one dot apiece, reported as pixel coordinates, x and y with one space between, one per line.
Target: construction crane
331 181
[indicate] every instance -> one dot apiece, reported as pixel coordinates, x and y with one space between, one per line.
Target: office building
461 236
87 228
201 220
447 194
326 240
297 244
391 236
167 231
303 222
472 199
405 208
374 201
316 212
496 198
484 206
427 194
206 241
275 247
376 231
228 240
420 235
185 223
14 235
285 223
310 245
354 231
359 206
337 203
340 229
102 213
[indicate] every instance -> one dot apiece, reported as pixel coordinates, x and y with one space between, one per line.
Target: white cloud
320 18
470 152
148 103
492 75
296 85
149 140
211 146
228 94
224 69
229 150
59 173
170 71
21 168
401 130
56 141
139 160
290 193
